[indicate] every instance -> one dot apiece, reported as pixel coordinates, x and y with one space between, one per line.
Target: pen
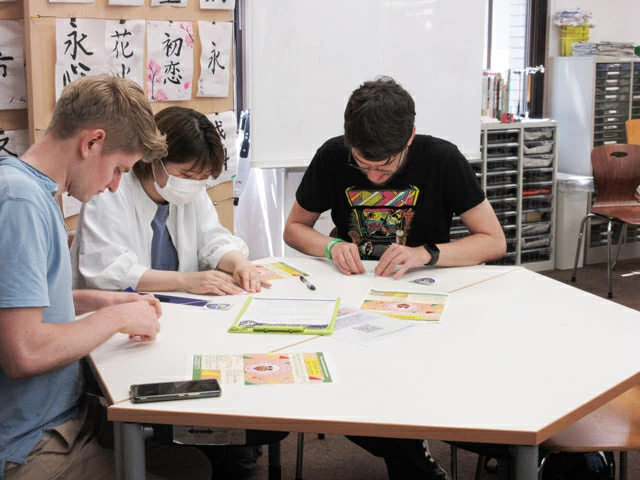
307 283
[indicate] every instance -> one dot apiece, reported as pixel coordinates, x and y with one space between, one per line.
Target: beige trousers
77 450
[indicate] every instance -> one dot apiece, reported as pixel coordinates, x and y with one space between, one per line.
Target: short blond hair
116 105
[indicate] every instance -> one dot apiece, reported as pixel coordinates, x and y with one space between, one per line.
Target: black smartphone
159 392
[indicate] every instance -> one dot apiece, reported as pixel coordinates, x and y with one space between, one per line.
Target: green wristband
327 249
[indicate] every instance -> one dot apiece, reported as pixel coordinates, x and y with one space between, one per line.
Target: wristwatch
434 251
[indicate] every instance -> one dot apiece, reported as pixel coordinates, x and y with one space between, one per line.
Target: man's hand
141 319
347 258
249 278
210 282
396 255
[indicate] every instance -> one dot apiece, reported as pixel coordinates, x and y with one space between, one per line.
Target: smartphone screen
157 392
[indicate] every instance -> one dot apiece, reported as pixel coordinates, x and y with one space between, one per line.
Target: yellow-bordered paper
407 305
307 316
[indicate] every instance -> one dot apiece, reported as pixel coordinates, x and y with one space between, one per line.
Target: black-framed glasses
353 163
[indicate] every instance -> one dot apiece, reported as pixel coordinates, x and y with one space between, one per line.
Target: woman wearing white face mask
160 231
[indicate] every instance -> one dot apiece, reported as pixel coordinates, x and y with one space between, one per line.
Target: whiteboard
303 58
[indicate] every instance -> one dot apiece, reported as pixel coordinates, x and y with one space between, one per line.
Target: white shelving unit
592 97
517 171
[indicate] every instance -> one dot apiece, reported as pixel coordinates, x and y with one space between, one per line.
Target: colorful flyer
260 368
406 305
278 271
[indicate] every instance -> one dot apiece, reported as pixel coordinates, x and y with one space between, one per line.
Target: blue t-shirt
35 271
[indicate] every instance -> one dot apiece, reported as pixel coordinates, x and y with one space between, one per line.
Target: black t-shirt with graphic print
414 207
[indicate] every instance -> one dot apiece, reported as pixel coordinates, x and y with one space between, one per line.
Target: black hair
191 137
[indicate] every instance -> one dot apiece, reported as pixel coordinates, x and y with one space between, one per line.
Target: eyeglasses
353 163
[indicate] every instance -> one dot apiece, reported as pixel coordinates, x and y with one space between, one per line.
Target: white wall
616 21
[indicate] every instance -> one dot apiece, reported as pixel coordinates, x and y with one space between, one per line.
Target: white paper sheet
366 328
226 126
169 61
124 44
289 311
171 3
217 4
80 50
70 1
13 80
127 3
14 142
215 59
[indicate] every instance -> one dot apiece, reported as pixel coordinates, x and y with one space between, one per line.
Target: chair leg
623 235
579 245
275 468
623 465
300 456
480 466
610 290
454 463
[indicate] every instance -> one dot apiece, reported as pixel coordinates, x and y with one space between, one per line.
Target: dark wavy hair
379 119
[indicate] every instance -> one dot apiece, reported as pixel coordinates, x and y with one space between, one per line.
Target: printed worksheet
366 328
406 305
278 271
260 368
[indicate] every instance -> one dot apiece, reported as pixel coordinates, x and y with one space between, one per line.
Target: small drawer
502 164
536 228
535 255
538 175
503 136
613 127
609 119
616 81
602 104
502 151
613 74
536 216
535 241
612 97
612 90
531 148
537 161
538 133
612 67
536 202
508 177
622 110
502 192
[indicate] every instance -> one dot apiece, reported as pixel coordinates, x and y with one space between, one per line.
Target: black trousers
405 458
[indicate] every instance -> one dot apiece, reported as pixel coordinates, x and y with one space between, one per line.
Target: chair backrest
616 170
633 131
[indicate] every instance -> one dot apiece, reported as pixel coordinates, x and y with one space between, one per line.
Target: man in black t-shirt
392 193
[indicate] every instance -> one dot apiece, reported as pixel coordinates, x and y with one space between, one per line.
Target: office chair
633 131
616 171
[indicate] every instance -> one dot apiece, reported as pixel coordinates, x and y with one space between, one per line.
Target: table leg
526 462
129 451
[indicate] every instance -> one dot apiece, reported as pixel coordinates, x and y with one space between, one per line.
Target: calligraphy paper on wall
13 80
14 142
171 3
215 58
80 50
227 127
169 60
217 4
127 3
124 44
